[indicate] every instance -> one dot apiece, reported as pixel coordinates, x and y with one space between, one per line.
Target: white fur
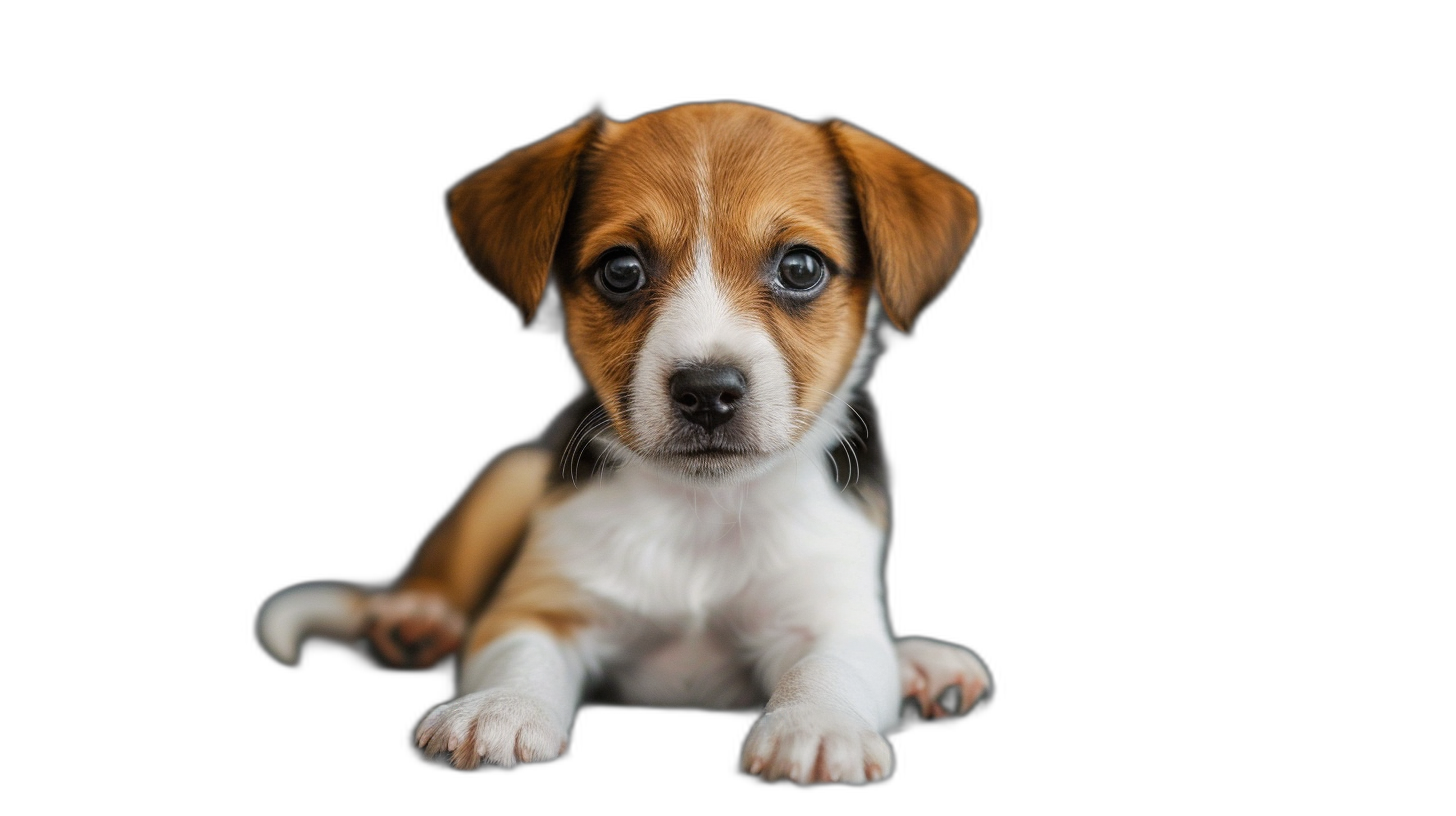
943 678
319 608
721 596
519 696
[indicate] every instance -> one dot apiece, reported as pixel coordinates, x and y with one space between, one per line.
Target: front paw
809 743
498 726
942 678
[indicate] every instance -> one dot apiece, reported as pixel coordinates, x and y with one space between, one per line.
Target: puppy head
716 263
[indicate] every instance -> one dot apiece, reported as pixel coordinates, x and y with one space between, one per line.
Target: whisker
832 395
612 454
589 419
846 438
854 466
599 468
584 444
580 449
587 446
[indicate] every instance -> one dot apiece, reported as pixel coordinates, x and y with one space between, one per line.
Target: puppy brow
644 234
795 233
602 240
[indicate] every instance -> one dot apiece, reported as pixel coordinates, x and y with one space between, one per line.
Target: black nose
707 395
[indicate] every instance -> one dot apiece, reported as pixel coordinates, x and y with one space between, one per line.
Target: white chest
675 553
697 581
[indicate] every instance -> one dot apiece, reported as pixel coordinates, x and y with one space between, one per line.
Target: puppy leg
522 673
824 720
943 679
518 698
421 618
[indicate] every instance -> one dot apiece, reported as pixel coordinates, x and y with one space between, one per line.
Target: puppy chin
714 467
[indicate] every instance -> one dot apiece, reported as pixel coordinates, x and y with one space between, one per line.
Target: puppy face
716 264
711 281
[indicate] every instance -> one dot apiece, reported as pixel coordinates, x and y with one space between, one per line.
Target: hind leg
942 678
422 618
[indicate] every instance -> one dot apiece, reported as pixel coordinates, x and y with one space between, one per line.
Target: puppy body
707 525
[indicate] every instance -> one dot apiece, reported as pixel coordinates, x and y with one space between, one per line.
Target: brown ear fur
508 215
918 220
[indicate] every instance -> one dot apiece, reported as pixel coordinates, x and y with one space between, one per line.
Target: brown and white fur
636 553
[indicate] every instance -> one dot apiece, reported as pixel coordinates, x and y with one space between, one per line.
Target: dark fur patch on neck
857 463
578 437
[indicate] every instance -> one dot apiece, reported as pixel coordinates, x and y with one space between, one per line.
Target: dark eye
801 271
621 275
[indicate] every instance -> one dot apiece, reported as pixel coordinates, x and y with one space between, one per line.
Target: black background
357 375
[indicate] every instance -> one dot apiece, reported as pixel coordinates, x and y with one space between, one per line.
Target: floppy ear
508 215
918 220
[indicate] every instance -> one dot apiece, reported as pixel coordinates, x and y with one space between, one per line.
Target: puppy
707 524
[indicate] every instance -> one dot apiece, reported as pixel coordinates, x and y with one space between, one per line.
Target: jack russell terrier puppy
707 524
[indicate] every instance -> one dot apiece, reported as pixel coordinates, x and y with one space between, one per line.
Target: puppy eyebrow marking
785 231
635 235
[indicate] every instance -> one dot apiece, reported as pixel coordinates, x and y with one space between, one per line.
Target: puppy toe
495 726
942 678
807 743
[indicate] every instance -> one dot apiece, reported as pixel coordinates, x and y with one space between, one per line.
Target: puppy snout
707 395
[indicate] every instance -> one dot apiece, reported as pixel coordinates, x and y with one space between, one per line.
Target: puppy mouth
710 460
710 451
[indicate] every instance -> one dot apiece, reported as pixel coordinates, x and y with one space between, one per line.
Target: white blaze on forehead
705 198
700 325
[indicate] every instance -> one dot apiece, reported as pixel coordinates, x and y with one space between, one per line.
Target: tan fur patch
604 345
533 596
918 221
466 551
508 215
